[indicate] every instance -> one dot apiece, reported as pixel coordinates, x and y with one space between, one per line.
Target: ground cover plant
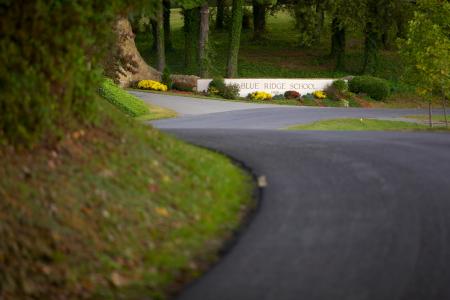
115 210
131 105
363 125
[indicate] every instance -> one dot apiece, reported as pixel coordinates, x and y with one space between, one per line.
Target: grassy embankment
116 210
131 105
278 56
364 125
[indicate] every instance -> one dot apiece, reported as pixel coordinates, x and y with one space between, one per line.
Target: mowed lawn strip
114 211
361 125
435 117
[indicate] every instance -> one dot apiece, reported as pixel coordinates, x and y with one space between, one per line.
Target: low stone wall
185 80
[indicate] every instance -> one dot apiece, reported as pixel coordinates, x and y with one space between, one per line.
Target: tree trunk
124 63
338 44
191 34
385 39
235 38
320 23
220 14
444 104
154 26
370 49
430 114
203 40
166 16
161 53
259 19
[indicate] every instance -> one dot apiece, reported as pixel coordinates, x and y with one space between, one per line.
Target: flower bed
260 95
320 94
152 85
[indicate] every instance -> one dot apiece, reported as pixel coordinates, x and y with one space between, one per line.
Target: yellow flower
320 94
259 95
152 85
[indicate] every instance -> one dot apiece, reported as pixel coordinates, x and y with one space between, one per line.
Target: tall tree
166 17
338 41
191 33
235 38
203 39
192 20
154 29
259 18
346 14
220 14
371 43
160 50
426 50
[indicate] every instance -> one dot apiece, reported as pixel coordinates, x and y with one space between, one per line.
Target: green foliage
340 85
337 90
218 84
191 33
218 87
235 38
306 20
231 91
188 4
124 101
165 78
374 87
278 97
50 64
426 50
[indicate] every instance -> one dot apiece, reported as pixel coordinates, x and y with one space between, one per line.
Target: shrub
217 84
333 93
182 86
292 95
340 85
308 96
278 97
165 79
231 91
124 101
152 85
320 94
344 103
50 65
260 96
374 87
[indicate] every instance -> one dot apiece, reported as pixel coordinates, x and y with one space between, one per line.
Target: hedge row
124 101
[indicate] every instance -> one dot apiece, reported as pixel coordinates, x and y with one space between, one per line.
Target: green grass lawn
435 117
114 211
362 125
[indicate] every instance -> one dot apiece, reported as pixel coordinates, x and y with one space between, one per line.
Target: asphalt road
345 215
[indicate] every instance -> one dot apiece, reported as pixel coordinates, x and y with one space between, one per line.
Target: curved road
345 215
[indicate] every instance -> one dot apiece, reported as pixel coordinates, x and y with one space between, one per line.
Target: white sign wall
272 86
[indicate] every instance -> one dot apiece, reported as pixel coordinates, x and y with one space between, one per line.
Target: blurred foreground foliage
51 64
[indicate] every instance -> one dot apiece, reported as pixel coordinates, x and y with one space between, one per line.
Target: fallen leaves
163 212
118 280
